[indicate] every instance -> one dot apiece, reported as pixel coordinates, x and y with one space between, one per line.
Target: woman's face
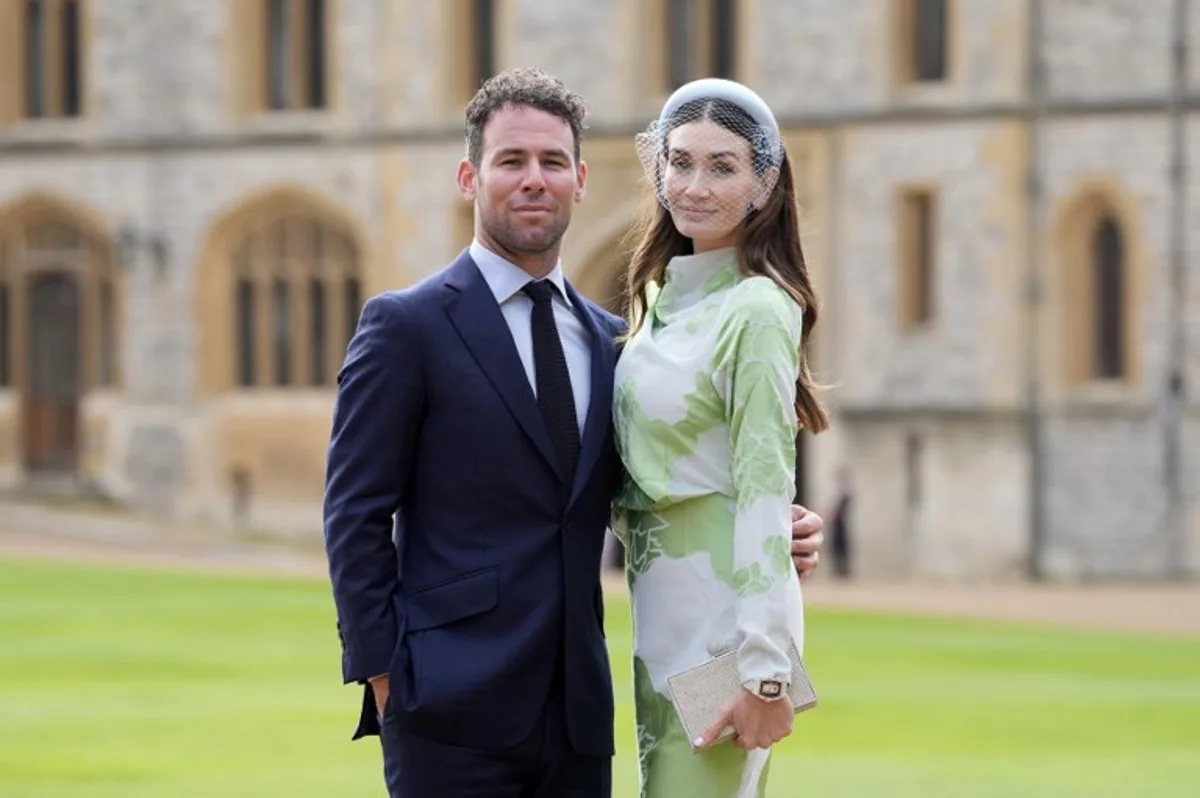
709 183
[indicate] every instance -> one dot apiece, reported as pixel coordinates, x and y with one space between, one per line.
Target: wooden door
54 372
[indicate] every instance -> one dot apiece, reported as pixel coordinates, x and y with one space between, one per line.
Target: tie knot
540 291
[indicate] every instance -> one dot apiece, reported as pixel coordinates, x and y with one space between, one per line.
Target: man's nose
534 179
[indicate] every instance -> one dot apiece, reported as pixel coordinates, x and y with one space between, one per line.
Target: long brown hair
768 245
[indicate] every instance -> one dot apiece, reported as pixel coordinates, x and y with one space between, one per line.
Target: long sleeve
375 419
758 357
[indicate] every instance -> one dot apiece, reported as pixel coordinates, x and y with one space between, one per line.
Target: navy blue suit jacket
495 576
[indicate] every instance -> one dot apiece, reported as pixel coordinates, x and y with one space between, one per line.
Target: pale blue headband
764 139
719 89
762 130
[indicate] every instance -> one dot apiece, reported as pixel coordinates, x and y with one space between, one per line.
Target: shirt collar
506 279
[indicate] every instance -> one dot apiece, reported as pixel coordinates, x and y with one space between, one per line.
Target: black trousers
542 766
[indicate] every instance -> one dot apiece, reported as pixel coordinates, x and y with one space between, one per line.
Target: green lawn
130 684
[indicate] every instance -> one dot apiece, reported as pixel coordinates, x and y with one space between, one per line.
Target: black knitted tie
554 394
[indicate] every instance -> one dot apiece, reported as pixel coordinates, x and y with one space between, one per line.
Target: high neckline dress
704 412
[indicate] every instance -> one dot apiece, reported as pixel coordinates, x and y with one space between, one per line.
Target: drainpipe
1034 414
1174 393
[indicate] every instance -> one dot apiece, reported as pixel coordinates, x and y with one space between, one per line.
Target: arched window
296 297
1108 281
1098 276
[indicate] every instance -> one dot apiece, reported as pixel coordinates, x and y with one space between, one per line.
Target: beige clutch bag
700 693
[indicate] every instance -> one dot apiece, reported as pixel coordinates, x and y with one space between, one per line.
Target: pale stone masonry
932 421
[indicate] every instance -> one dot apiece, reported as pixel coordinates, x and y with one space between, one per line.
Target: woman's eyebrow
711 156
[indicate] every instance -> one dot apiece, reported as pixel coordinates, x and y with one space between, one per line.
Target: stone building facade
196 196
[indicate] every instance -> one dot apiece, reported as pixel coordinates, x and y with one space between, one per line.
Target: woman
711 387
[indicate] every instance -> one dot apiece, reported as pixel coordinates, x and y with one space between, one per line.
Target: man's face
526 183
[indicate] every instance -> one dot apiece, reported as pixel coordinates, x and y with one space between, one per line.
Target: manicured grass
130 684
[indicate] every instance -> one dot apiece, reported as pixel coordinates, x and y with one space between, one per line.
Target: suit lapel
600 405
475 314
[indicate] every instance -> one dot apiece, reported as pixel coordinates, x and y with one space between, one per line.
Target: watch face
770 689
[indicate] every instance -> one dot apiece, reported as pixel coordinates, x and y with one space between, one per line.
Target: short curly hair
525 86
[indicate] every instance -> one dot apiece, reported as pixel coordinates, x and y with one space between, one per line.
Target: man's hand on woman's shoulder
807 537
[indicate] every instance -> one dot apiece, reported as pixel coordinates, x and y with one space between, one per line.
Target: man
477 406
840 525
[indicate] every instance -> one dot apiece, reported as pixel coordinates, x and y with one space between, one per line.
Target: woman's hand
756 723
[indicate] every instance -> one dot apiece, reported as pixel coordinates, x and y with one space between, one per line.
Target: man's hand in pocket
382 687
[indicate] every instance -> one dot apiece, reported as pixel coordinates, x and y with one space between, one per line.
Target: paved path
1161 609
1153 608
34 532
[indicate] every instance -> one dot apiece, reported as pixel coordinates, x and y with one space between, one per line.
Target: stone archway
605 256
283 277
61 292
281 281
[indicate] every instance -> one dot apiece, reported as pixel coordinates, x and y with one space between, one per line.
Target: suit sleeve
375 420
617 520
759 345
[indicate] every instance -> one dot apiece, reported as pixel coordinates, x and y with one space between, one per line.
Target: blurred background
196 197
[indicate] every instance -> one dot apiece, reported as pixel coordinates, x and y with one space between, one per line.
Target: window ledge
66 130
1104 393
289 122
927 94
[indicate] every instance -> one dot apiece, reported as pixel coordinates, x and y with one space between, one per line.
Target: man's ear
581 181
467 180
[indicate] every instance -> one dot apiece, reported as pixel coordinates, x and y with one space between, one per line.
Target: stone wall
1107 49
967 356
384 157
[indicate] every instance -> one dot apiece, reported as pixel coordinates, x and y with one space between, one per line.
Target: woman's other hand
757 723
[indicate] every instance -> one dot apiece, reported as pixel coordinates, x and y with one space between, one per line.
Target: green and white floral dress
705 424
